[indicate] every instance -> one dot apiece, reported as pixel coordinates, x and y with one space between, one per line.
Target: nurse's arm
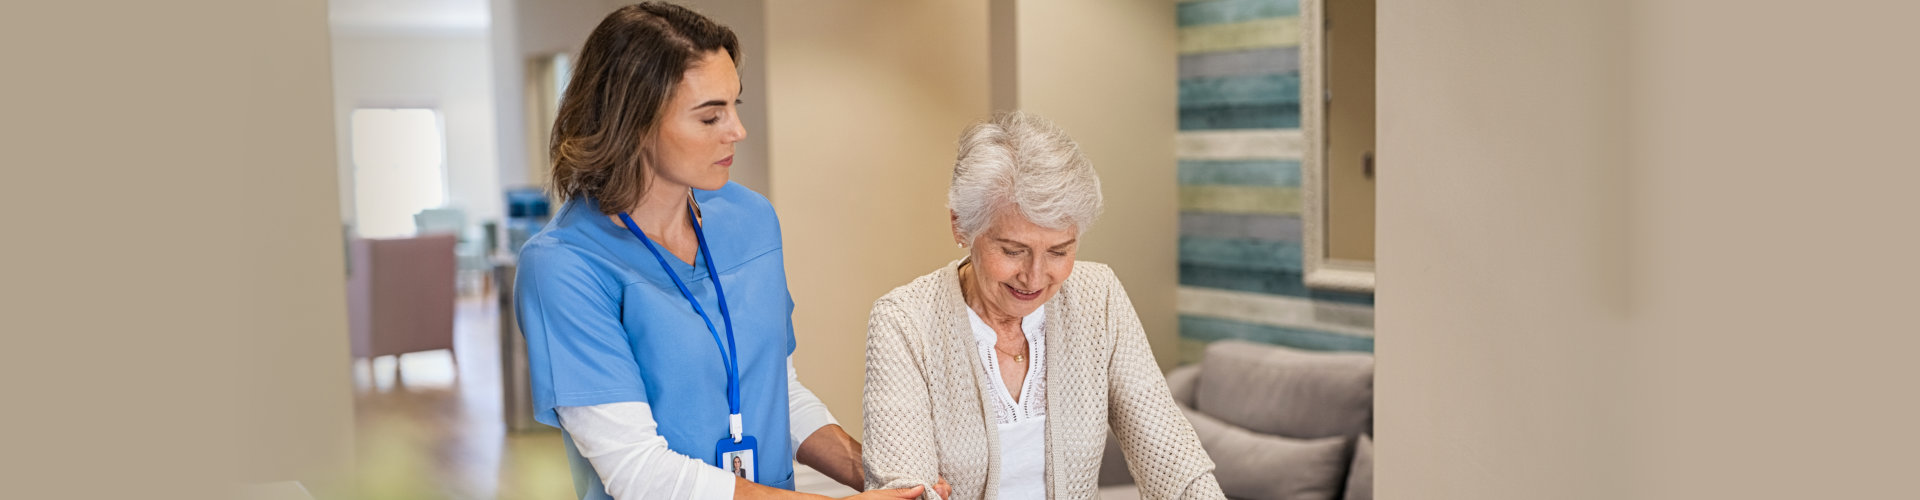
818 440
633 460
900 451
827 447
622 442
834 453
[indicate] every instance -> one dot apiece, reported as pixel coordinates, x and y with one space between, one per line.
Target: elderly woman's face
699 126
1019 265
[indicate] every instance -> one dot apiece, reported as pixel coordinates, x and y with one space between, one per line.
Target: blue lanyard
729 354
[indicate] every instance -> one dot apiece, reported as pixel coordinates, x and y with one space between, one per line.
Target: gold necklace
1017 358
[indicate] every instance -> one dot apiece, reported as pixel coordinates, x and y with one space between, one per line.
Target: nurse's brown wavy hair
611 111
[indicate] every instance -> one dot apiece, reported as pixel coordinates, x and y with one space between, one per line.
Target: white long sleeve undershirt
622 442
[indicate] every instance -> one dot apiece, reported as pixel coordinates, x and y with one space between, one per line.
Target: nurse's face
698 128
1019 265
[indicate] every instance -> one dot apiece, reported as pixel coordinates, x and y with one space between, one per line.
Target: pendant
1019 358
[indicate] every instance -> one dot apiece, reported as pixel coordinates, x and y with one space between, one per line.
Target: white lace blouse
1033 392
1022 424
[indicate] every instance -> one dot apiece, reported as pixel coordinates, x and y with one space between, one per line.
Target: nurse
655 304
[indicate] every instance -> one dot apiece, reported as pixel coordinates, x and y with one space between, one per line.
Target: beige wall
1105 72
449 73
1497 312
177 296
1641 267
1773 249
865 100
287 303
1350 130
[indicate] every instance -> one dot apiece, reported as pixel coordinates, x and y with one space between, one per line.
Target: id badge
738 458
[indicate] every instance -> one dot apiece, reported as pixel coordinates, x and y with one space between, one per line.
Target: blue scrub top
604 324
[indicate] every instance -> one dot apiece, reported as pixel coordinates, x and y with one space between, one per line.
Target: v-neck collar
986 338
960 331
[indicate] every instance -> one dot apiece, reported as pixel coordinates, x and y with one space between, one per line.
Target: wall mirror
1337 125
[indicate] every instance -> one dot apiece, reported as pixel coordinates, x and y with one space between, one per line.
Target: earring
959 245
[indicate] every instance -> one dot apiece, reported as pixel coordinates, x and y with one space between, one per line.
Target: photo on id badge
737 458
739 463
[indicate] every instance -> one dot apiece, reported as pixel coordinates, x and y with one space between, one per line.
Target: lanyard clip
734 426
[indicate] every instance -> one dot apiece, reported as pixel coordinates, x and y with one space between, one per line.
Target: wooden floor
433 428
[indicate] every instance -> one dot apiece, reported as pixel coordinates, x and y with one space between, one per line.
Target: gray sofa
1280 423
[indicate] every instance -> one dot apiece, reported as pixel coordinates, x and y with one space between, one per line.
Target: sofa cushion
1113 464
1127 491
1286 392
1180 383
1257 466
1360 474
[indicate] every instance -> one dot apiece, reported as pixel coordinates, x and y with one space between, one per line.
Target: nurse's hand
893 494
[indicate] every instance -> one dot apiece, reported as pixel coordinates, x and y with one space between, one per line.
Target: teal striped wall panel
1285 173
1248 254
1241 226
1256 144
1233 11
1239 174
1267 33
1284 283
1240 117
1232 199
1240 90
1240 63
1211 329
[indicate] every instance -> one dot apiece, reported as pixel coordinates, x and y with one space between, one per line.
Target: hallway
433 428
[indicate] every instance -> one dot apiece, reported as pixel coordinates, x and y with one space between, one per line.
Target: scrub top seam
641 279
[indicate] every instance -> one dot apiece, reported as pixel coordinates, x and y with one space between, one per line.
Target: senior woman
1015 360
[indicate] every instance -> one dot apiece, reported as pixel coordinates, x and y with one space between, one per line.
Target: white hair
1022 162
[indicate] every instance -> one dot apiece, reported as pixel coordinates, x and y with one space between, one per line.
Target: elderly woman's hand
893 494
942 488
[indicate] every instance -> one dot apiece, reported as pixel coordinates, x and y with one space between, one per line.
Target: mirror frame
1320 271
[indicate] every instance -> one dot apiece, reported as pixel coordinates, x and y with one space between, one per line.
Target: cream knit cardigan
927 416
